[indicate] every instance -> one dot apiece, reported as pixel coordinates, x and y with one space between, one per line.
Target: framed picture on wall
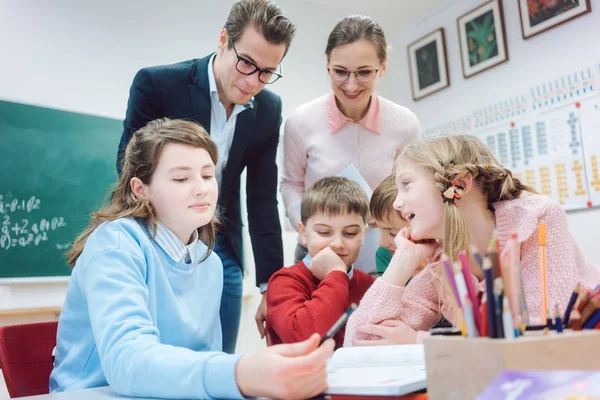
482 38
428 65
540 15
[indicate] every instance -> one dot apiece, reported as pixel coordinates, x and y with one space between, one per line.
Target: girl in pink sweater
455 194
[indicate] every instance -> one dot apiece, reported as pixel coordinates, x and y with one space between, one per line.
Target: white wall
553 53
82 56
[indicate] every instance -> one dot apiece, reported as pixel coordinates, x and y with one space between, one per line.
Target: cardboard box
461 368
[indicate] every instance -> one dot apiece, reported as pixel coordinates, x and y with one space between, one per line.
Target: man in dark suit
224 92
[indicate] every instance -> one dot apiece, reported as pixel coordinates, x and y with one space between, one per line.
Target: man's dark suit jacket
182 91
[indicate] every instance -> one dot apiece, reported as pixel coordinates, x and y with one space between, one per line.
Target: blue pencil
477 256
489 291
570 305
593 320
558 320
498 299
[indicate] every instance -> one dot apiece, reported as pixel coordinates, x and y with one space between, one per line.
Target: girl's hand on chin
420 249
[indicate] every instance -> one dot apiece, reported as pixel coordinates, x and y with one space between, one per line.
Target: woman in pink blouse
350 126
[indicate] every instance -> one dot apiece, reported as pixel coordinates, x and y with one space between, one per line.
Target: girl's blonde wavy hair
140 160
451 157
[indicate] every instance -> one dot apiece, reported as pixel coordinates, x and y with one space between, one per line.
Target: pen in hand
339 323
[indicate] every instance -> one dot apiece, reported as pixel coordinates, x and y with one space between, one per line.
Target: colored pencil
450 277
558 320
576 320
462 256
571 303
522 301
461 285
592 321
511 271
583 300
507 320
477 256
589 309
468 308
498 298
543 268
493 256
484 318
489 291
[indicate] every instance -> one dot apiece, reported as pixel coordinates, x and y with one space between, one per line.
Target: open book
377 370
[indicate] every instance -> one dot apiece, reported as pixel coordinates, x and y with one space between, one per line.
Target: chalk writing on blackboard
25 231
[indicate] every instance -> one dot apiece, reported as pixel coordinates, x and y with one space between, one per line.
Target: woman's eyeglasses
363 75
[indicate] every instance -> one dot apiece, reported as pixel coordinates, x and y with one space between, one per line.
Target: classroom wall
551 54
82 56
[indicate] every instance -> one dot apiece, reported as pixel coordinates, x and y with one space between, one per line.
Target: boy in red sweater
311 295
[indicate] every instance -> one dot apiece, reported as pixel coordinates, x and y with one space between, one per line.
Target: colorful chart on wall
549 137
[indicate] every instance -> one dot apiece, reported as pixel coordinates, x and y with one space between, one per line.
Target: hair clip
452 191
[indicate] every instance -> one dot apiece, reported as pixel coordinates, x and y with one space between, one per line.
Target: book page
390 381
410 355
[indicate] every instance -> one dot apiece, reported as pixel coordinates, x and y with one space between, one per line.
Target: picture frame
538 16
482 38
428 64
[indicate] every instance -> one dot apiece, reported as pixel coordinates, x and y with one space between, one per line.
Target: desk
100 393
106 393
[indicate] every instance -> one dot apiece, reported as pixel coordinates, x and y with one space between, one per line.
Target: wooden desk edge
29 311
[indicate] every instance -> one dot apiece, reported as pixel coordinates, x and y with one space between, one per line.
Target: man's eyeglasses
247 67
363 75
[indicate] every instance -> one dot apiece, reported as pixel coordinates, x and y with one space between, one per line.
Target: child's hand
391 331
422 249
409 256
326 261
290 371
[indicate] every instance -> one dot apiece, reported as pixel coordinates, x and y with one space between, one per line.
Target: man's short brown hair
266 16
382 200
334 196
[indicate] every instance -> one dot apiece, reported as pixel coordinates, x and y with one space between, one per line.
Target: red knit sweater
298 304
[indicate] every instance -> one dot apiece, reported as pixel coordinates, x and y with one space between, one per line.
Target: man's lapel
244 127
200 92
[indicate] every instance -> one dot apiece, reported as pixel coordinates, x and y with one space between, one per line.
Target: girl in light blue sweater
142 307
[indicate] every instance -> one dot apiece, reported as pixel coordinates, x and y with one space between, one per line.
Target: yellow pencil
543 268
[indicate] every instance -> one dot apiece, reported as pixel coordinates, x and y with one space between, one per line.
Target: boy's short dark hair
334 196
382 200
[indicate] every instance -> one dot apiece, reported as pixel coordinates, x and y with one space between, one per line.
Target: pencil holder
461 368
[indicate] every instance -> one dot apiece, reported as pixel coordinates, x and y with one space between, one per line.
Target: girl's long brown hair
140 160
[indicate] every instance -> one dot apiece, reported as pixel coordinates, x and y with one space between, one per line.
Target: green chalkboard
55 168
